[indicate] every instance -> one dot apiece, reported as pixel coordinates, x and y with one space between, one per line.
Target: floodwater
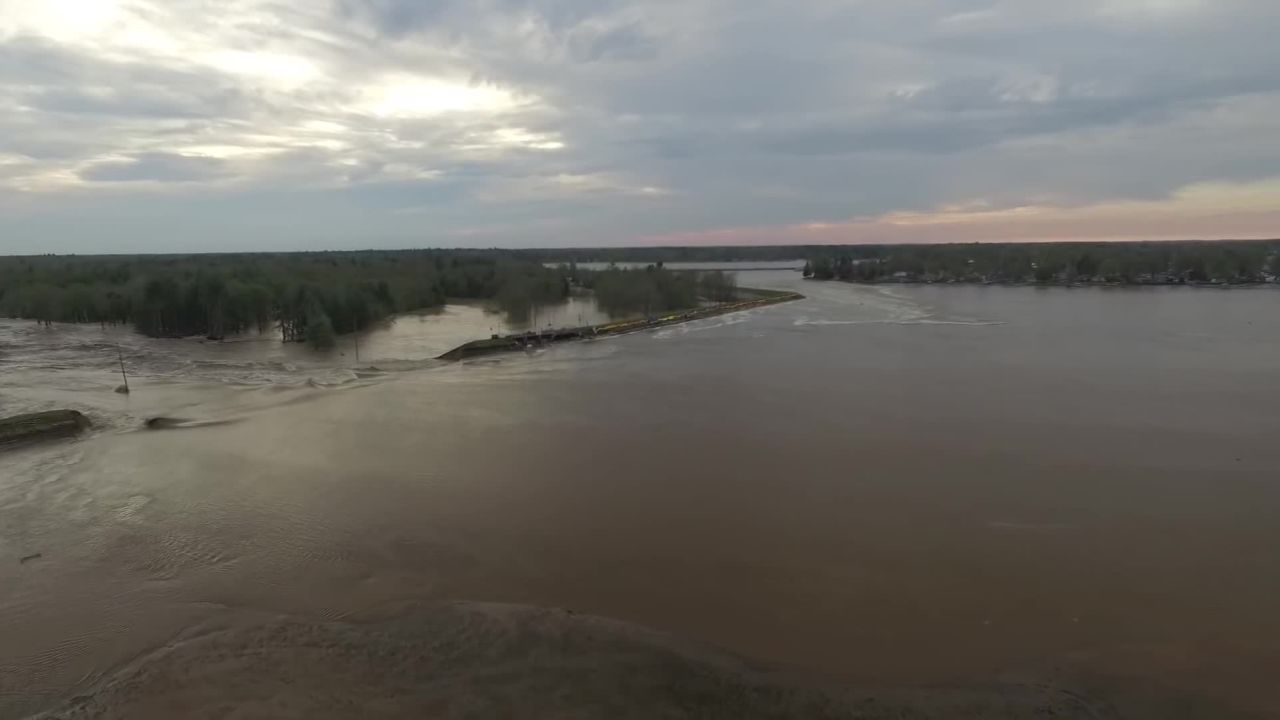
884 485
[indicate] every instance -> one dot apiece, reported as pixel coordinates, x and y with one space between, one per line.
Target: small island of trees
654 289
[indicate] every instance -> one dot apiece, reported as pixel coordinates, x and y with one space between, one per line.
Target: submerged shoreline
521 341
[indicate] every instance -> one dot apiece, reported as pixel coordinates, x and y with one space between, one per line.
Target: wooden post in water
123 389
356 336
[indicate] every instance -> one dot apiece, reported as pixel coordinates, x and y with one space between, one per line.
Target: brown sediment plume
491 660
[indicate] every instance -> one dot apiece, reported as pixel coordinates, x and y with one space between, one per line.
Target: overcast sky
212 125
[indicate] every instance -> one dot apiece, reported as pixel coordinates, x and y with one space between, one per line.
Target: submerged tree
718 286
319 330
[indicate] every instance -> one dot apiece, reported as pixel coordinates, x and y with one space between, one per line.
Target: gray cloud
533 121
468 17
161 167
624 43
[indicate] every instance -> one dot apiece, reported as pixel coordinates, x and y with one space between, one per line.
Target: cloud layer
175 125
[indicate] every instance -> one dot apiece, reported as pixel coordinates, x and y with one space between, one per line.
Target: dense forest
652 289
315 297
1147 263
308 296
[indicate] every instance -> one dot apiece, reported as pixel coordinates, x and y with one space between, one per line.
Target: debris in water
35 426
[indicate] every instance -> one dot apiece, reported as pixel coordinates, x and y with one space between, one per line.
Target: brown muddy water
884 487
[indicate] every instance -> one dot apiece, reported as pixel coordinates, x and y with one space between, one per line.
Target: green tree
1086 266
823 268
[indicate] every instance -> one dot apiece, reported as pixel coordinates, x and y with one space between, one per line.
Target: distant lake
736 267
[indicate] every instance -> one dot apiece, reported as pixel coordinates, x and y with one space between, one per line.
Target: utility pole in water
123 389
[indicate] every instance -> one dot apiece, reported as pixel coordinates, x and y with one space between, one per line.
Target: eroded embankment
508 343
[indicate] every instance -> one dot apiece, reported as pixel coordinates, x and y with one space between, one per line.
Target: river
892 485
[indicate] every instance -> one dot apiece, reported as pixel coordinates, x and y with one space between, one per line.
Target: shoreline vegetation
311 297
1215 264
315 297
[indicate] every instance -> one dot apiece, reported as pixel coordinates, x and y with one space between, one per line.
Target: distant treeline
1172 262
309 296
1145 263
724 253
315 296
